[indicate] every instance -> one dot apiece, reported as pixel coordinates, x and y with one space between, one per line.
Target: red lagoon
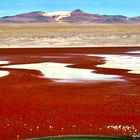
74 91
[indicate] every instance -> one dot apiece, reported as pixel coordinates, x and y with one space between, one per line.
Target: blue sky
110 7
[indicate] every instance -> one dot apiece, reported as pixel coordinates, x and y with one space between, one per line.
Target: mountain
136 19
33 17
76 16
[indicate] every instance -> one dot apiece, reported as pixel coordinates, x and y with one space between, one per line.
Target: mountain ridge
75 16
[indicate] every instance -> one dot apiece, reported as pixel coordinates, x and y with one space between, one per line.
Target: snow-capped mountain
76 16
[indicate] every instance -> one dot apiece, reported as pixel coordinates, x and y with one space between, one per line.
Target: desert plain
68 35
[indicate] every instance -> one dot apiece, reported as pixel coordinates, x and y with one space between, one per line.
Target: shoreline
57 47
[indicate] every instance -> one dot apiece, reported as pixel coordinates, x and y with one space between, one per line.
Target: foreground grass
86 138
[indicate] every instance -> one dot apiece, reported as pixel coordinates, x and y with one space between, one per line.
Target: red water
31 106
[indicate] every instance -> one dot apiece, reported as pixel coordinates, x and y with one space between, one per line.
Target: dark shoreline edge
84 137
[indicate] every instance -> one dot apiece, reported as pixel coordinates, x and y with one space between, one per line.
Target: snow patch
58 15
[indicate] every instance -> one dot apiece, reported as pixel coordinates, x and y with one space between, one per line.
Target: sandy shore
84 46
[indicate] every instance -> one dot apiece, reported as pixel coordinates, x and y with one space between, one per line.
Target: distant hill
76 16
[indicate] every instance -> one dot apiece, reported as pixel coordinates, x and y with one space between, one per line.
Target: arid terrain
68 35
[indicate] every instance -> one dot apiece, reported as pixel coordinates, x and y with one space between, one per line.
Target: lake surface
81 91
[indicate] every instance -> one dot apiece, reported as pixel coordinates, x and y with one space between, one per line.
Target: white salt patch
55 57
135 52
126 62
4 62
59 72
3 73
